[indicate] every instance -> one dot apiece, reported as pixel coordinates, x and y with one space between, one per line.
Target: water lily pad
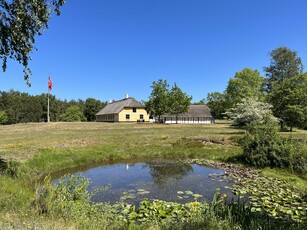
143 192
197 195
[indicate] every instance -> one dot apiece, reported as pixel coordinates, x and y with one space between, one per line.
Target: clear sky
106 48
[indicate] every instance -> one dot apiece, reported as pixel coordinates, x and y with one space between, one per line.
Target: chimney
126 96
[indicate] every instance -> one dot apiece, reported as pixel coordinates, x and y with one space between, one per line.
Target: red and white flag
49 83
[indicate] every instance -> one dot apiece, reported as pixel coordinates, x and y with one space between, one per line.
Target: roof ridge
122 100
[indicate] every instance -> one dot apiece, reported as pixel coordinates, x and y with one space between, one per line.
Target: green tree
157 104
245 83
74 113
53 107
92 106
21 21
178 101
284 64
20 107
289 100
251 111
3 118
217 103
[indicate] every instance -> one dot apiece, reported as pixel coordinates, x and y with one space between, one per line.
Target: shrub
74 114
263 146
250 111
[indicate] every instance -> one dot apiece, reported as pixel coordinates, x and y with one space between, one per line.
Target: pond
155 179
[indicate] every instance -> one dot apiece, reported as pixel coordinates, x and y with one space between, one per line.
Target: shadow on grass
3 165
236 159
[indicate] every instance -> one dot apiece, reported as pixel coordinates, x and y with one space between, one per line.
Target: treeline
18 107
284 86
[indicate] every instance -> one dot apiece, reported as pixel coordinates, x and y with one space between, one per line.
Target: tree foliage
74 113
3 118
20 22
157 104
22 107
162 100
91 107
217 103
250 111
289 100
178 101
284 64
245 83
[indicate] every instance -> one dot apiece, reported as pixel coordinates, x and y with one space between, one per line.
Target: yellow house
124 110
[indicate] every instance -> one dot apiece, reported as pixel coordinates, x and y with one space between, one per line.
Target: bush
11 168
74 114
250 111
3 118
263 146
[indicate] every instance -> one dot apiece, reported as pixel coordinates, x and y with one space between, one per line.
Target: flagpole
48 117
48 109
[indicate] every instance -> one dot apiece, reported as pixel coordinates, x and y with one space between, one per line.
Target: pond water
158 179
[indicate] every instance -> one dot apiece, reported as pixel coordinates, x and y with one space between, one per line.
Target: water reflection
156 179
163 171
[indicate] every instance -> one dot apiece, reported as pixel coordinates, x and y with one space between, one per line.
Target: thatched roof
117 106
194 111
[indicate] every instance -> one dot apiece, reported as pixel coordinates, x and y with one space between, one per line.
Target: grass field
102 141
43 148
36 149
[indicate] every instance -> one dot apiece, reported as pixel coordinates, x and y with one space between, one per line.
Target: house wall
107 117
188 120
133 116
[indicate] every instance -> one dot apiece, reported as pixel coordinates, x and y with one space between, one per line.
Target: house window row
190 119
107 117
128 116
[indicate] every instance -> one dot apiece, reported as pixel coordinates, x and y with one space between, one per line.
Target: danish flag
49 83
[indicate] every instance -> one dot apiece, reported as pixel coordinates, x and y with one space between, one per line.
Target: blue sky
106 48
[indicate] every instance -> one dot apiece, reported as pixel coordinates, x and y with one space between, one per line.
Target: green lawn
44 148
24 141
36 149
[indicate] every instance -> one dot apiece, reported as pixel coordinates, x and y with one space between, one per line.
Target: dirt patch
217 141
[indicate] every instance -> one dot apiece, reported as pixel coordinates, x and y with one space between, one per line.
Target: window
141 116
134 110
127 116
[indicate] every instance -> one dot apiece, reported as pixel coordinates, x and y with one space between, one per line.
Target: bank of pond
192 180
165 194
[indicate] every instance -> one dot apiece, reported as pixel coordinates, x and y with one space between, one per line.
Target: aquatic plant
274 197
69 201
